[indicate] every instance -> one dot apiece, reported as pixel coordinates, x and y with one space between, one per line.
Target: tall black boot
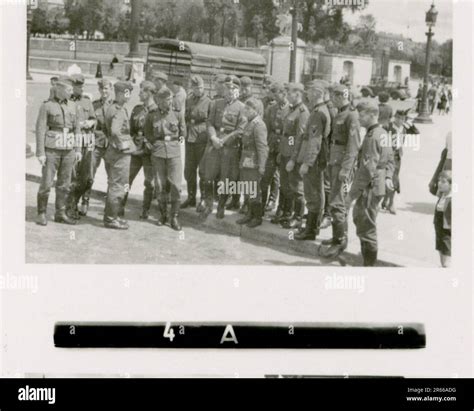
207 194
235 204
174 222
295 219
191 200
121 212
256 213
42 204
71 200
202 189
247 218
163 209
369 255
221 206
309 233
60 215
147 200
287 211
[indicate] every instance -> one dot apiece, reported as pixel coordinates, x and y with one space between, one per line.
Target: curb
267 236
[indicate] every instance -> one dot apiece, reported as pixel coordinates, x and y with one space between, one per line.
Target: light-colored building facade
398 71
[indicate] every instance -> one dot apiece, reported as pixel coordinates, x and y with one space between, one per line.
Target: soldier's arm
353 144
116 128
315 138
181 125
387 159
133 124
92 115
41 128
262 146
239 129
211 131
300 130
148 127
77 127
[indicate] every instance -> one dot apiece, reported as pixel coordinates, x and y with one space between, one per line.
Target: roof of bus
208 50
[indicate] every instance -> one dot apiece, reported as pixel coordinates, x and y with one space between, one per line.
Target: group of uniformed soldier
299 145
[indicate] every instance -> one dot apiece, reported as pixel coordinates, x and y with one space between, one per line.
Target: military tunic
56 130
141 157
274 116
294 126
314 153
375 166
164 133
117 159
93 157
345 143
226 120
82 170
197 114
254 156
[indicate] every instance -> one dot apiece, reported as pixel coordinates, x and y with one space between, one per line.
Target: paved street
405 239
145 242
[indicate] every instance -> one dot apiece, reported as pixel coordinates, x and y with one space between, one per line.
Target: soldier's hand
78 156
290 166
304 169
342 178
42 160
389 184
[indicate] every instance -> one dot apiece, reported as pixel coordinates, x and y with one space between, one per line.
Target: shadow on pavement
422 208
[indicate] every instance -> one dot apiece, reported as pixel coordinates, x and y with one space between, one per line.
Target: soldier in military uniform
52 81
141 157
244 94
327 220
252 161
118 156
220 88
345 143
313 157
294 126
225 126
275 114
197 113
373 177
87 122
247 93
385 110
56 129
164 131
268 97
91 161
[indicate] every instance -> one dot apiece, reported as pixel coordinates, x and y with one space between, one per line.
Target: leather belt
167 138
339 143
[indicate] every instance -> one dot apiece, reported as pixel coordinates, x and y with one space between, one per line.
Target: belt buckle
222 129
167 138
192 121
278 131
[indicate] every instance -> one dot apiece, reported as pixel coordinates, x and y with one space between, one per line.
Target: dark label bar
239 335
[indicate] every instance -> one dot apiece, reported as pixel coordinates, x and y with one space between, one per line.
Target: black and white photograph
181 170
237 189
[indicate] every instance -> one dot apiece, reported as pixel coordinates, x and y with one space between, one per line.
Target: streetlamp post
424 114
134 63
29 19
294 42
136 6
